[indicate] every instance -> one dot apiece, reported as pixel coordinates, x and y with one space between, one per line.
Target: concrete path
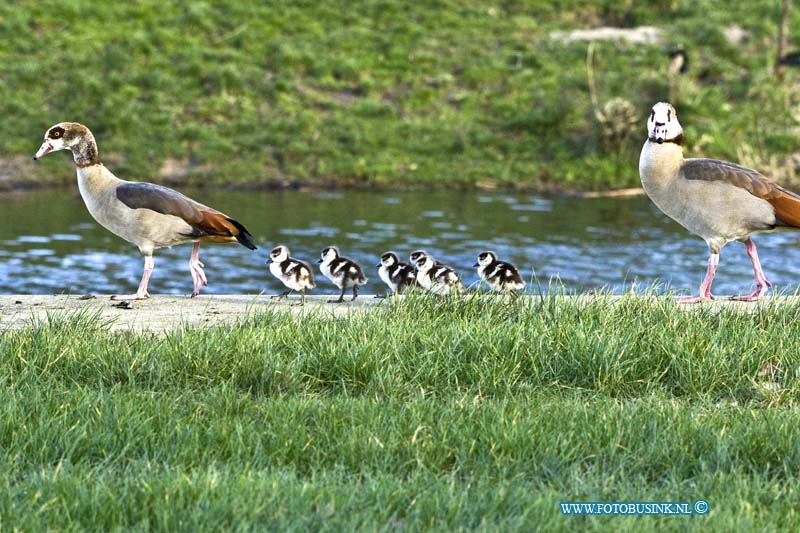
160 313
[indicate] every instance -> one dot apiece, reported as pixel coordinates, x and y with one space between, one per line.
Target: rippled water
49 243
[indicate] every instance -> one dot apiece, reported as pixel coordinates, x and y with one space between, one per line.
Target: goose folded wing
713 170
785 203
205 221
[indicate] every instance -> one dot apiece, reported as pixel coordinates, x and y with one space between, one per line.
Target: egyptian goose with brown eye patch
499 275
719 201
295 274
147 215
343 272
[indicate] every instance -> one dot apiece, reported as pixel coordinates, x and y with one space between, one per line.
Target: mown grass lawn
419 415
386 93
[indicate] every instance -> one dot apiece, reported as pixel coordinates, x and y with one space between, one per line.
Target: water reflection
51 245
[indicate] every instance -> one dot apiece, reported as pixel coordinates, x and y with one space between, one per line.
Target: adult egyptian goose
147 215
717 200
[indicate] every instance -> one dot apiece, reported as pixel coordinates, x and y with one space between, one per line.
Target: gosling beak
45 149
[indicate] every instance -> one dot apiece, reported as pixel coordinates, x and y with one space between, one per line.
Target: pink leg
761 280
196 269
141 293
705 287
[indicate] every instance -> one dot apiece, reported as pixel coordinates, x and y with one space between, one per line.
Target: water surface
49 244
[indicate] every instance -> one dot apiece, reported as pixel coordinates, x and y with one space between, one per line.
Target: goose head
663 125
64 136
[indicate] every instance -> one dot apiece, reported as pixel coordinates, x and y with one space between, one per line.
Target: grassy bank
420 415
384 93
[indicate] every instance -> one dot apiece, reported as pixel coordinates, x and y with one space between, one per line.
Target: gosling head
388 259
328 255
416 255
486 259
424 263
279 254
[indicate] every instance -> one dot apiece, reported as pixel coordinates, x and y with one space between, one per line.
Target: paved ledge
160 313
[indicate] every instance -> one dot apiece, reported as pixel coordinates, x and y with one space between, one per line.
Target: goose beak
378 265
45 149
319 261
660 132
475 265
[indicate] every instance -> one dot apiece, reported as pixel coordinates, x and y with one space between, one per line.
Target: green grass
419 415
382 93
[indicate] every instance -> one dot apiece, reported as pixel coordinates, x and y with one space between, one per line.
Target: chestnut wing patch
787 208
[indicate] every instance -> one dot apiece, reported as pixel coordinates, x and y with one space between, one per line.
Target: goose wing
714 170
207 223
785 203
